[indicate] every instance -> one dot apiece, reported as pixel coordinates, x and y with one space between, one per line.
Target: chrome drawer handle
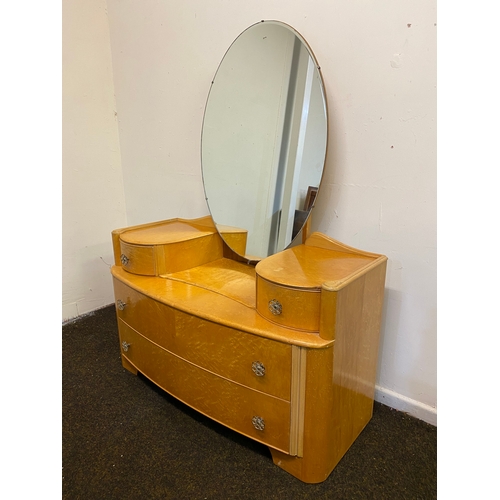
258 423
120 304
275 307
258 368
124 259
125 346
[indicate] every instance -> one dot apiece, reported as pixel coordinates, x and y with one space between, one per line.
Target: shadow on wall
391 315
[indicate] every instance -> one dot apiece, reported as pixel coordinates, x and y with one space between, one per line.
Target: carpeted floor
125 439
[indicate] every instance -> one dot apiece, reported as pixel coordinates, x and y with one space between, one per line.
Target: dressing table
273 338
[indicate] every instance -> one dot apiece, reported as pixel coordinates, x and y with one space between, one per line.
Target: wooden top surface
215 307
164 233
310 267
227 277
229 229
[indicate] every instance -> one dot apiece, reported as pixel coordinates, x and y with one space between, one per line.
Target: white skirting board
402 403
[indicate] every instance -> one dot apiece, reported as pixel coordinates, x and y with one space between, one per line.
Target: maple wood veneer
284 352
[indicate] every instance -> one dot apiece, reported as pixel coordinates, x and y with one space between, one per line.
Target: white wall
378 61
93 196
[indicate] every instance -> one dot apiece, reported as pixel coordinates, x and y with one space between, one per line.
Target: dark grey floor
123 438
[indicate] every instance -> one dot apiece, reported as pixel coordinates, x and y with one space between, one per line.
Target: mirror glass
264 139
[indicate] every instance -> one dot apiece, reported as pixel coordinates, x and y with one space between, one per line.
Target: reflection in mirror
264 137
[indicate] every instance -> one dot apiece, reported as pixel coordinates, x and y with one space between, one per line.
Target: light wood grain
299 358
161 234
225 351
196 327
182 255
215 307
300 307
203 223
128 366
224 276
340 381
235 238
320 240
319 446
167 246
140 259
220 399
306 266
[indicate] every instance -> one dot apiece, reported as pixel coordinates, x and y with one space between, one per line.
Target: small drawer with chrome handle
297 308
138 259
125 346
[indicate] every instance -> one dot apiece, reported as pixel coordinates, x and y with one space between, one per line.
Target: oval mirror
264 139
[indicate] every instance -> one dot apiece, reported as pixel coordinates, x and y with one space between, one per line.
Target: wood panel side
359 314
328 314
357 332
235 240
297 401
340 381
115 238
319 447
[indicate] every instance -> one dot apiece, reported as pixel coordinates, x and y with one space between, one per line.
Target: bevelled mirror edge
269 107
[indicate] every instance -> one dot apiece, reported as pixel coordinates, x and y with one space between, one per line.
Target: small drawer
247 359
138 259
290 307
252 413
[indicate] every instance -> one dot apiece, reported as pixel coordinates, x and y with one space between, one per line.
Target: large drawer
250 360
290 307
252 413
